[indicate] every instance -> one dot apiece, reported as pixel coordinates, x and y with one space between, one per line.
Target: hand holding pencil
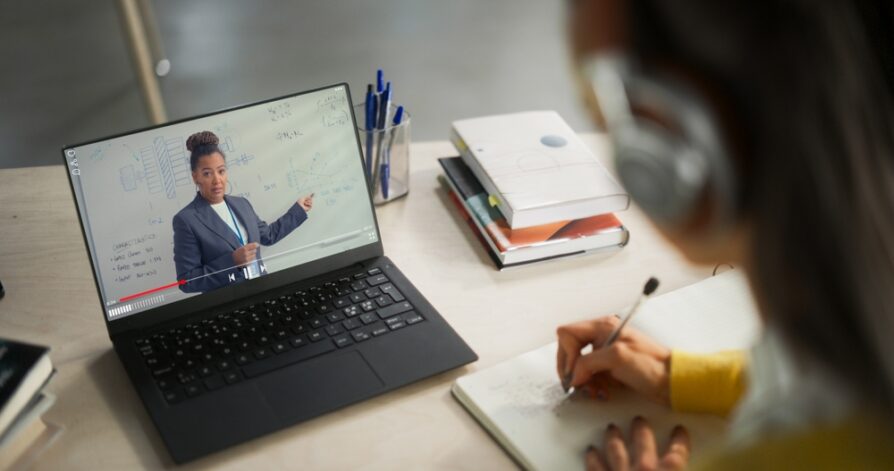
620 356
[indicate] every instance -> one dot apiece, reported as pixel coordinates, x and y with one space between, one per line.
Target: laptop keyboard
210 354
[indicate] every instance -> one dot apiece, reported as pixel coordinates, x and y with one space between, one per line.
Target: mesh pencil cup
386 155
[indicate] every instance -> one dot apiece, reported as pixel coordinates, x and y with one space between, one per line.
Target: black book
24 370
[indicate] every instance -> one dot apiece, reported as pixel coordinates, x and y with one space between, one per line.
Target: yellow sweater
714 383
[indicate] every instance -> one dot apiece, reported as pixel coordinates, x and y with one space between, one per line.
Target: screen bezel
238 291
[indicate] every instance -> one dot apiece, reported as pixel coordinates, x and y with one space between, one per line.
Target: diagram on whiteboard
163 167
327 179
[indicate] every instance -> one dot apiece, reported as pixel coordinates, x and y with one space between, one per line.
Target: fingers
598 361
677 455
615 450
643 448
594 460
573 337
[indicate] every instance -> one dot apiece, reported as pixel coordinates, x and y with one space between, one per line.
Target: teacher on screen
216 236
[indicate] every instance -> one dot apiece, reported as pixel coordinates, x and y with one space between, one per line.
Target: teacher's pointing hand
306 202
245 254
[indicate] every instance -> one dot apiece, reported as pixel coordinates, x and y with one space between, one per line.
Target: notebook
535 168
513 247
521 403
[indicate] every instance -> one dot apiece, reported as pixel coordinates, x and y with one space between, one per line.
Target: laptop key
373 271
288 358
351 311
342 340
357 297
394 309
335 317
397 325
280 347
162 371
351 324
369 318
380 329
360 335
316 336
412 318
224 365
390 290
174 396
334 330
243 359
383 301
376 280
368 306
262 353
298 342
193 389
166 383
205 371
231 377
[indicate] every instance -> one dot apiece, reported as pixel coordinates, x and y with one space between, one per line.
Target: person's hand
640 451
633 360
306 202
245 254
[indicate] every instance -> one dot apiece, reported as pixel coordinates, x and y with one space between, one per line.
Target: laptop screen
188 208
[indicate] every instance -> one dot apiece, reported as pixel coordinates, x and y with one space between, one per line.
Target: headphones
670 164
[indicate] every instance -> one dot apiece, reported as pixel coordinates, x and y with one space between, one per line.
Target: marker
370 122
648 289
386 162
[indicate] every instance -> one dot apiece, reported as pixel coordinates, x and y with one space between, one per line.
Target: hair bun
203 138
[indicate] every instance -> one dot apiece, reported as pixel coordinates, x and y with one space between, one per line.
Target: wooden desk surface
51 299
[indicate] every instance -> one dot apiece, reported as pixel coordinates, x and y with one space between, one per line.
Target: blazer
204 243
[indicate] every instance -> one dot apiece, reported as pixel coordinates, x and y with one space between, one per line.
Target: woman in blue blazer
216 237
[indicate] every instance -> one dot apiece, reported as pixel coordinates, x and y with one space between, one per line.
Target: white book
536 169
521 403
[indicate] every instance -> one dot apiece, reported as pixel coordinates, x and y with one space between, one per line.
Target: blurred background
68 74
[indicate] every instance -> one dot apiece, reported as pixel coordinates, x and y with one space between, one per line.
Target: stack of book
531 190
24 372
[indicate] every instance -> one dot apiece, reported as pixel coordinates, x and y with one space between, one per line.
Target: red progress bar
160 288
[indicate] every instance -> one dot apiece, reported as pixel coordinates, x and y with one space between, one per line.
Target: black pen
648 289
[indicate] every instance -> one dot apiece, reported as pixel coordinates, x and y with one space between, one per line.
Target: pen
648 289
379 81
370 122
384 103
386 162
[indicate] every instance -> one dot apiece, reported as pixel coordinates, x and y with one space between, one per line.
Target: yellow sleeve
709 383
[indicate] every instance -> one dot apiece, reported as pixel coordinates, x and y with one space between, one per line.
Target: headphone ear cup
662 175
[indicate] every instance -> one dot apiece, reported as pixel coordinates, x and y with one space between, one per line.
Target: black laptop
241 271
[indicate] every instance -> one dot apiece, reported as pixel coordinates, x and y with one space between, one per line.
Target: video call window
185 209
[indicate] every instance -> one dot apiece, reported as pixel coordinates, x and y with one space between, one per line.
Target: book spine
493 194
474 227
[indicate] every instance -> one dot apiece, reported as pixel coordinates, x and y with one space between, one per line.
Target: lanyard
235 225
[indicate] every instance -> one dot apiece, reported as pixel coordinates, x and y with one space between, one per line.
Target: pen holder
386 156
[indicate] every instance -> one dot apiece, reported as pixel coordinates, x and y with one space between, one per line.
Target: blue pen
385 104
379 81
386 165
370 123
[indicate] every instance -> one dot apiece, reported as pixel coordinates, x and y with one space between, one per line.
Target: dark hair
201 144
811 84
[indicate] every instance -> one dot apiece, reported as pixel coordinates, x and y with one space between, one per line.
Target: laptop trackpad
315 386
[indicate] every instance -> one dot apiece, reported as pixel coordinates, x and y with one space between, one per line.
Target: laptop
241 272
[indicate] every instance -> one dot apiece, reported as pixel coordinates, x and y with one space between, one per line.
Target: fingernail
566 382
600 394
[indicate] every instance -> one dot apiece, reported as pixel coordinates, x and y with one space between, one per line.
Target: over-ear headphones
670 157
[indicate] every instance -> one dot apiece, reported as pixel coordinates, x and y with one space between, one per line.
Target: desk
51 299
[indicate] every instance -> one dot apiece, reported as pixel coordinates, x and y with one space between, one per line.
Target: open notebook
521 404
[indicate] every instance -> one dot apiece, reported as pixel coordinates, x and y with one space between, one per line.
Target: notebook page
522 397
